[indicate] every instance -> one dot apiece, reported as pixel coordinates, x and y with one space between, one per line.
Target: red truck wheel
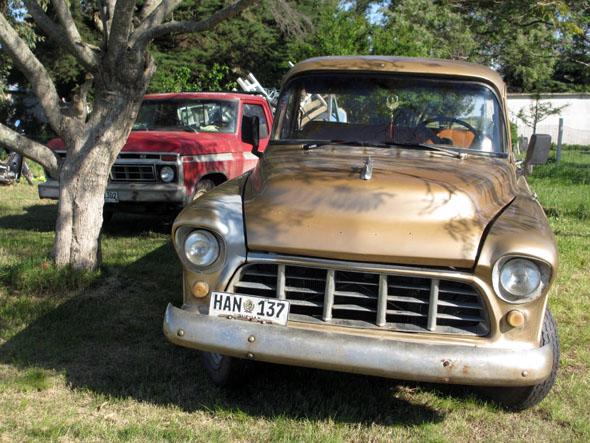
203 187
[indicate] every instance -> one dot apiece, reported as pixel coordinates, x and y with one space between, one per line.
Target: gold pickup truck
387 230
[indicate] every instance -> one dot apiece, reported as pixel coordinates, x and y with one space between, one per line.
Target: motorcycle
13 168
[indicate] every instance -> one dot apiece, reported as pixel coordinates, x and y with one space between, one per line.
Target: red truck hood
183 143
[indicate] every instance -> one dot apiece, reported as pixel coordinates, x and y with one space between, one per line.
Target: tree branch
121 27
152 27
70 39
66 20
30 149
35 72
148 7
534 22
156 18
80 104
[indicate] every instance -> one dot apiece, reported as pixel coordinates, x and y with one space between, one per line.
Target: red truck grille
133 173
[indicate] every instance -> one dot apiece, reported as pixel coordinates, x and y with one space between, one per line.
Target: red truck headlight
167 174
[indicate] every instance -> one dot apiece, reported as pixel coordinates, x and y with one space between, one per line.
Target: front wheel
520 398
203 187
223 370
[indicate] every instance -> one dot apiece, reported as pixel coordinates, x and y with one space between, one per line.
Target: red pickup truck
181 145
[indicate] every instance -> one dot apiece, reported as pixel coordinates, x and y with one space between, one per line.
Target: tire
107 216
203 187
224 371
26 172
520 398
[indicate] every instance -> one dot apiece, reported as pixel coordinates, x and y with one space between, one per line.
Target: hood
419 207
183 143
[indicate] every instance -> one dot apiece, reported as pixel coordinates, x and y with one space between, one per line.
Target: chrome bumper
348 353
128 192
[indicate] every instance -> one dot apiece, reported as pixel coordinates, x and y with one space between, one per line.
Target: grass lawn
82 355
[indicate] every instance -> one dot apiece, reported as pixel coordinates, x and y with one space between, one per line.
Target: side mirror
250 135
537 152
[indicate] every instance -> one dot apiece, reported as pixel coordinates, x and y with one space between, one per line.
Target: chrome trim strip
272 258
204 158
249 156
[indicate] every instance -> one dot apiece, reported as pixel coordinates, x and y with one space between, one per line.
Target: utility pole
559 137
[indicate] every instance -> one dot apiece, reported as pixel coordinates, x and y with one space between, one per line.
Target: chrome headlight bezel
181 237
535 265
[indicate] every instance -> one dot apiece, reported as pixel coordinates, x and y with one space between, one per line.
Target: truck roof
205 95
410 65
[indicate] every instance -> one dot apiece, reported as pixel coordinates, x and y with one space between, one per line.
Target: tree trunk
84 176
79 219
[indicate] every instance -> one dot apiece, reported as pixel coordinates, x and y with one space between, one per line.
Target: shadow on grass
133 224
108 339
39 218
42 218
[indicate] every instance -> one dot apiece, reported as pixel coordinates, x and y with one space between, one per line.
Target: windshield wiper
318 144
308 146
450 152
428 147
189 128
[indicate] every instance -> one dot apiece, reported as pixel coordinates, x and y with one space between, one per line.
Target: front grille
368 299
133 173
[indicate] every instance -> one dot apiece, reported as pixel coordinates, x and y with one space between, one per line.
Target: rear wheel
223 370
203 187
520 398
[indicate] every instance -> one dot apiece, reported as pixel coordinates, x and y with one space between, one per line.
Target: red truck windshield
192 115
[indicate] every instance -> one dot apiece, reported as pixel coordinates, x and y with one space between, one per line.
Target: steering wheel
449 121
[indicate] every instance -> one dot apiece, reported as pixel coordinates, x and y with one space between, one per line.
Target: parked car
181 146
388 230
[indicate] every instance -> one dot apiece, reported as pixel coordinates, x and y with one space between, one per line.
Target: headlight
520 280
167 174
201 248
520 277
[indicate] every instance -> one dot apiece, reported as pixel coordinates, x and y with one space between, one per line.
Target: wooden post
559 137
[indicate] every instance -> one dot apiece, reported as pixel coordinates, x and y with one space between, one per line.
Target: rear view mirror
537 152
250 135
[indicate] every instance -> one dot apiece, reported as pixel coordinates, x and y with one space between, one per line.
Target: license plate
248 307
111 197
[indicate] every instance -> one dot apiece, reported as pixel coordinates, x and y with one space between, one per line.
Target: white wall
576 116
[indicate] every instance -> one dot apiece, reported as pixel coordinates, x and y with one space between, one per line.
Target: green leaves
215 79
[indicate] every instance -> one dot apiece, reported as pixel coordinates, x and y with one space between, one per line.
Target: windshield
391 110
193 115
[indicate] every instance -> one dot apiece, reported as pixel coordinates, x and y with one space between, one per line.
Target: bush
576 147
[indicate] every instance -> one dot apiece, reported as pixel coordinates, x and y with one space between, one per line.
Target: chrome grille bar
433 304
329 295
382 304
281 282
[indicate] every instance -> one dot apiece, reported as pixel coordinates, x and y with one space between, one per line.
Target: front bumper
129 192
467 365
